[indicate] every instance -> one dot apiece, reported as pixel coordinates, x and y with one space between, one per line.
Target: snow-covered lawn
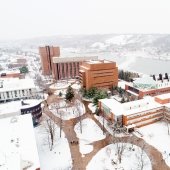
106 158
57 159
76 86
90 132
68 112
60 85
156 135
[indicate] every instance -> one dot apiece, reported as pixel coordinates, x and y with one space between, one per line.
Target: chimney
160 77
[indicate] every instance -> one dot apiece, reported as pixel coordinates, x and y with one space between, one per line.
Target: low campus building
98 73
14 89
148 86
18 148
10 74
14 108
136 113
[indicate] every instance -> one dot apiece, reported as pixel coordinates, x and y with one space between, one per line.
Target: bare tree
141 157
77 105
50 128
120 148
166 120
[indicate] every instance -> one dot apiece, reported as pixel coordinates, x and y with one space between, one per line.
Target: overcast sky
34 18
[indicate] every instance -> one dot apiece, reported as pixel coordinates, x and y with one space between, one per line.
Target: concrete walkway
79 162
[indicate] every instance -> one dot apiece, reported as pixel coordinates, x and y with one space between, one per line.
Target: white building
11 89
15 108
18 148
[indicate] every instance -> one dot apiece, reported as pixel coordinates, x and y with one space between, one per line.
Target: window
7 93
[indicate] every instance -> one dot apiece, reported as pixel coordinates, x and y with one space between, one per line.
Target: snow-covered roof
98 61
145 80
130 107
14 107
9 71
145 104
113 105
146 83
73 59
17 145
16 84
164 96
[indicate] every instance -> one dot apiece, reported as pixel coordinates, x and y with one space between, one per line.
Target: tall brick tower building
47 53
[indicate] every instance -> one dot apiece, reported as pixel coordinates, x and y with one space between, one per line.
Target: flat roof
132 107
137 106
113 105
12 84
99 61
14 107
73 59
17 145
164 96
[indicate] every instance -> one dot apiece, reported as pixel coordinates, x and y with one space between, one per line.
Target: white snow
17 143
68 112
119 39
108 126
90 132
57 159
76 86
156 134
130 159
60 85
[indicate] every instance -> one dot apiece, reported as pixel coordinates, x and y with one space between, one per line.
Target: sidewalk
79 162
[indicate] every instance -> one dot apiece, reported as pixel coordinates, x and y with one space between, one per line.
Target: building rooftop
98 61
147 83
137 106
73 59
164 96
18 148
130 107
16 84
14 108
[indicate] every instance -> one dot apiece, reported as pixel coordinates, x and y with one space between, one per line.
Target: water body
132 62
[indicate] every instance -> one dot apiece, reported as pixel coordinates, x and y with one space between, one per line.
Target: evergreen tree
23 69
69 94
99 95
60 94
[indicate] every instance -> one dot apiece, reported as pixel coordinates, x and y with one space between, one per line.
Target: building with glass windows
68 67
136 113
98 73
147 86
14 108
15 89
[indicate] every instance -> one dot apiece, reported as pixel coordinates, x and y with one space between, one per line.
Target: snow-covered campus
82 113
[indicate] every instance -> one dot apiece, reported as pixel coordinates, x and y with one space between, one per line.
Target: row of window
15 94
144 113
144 118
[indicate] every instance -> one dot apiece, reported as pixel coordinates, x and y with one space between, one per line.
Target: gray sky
33 18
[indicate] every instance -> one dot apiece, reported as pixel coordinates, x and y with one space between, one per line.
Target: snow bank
90 133
60 157
157 136
130 159
68 112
